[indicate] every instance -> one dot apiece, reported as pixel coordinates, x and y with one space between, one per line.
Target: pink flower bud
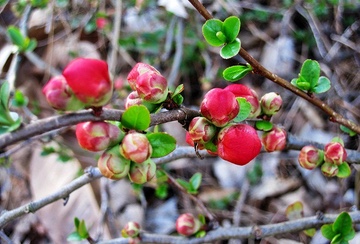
271 103
201 130
187 224
190 141
335 153
89 80
142 173
97 135
219 106
132 99
131 229
113 165
60 96
310 157
274 140
101 23
329 169
238 144
136 147
250 95
152 87
137 70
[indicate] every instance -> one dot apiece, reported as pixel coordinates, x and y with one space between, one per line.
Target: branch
256 232
261 70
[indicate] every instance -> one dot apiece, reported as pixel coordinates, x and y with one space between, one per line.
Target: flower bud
201 130
89 80
152 87
274 140
310 157
134 99
113 165
219 106
131 229
137 70
335 153
190 141
271 103
142 173
97 135
136 147
329 169
101 23
238 144
187 224
250 95
59 95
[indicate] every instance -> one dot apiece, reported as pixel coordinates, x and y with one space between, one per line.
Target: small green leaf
200 234
310 72
230 49
17 37
179 89
350 235
343 224
76 223
323 85
209 30
195 181
162 144
184 184
303 85
337 239
221 36
178 99
244 109
263 125
327 231
19 99
136 117
295 211
344 170
4 96
338 139
161 191
236 72
82 230
231 28
74 237
31 45
310 232
348 131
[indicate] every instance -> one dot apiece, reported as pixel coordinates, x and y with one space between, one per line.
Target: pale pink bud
190 141
249 94
329 169
132 99
136 147
142 173
335 153
238 144
89 80
187 224
310 157
131 229
98 135
60 96
271 103
113 165
274 140
152 87
219 106
137 70
201 130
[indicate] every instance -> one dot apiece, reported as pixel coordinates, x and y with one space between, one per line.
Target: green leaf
231 28
310 72
136 117
263 125
303 85
179 89
344 170
161 191
310 232
178 99
350 235
195 181
343 224
236 72
4 96
17 37
230 49
209 30
337 239
323 85
184 184
31 45
327 231
82 230
162 144
19 99
74 237
244 109
200 234
295 211
348 131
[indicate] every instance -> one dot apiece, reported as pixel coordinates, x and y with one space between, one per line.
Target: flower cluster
331 159
148 85
84 83
236 143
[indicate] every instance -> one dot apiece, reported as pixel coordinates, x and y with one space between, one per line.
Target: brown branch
261 70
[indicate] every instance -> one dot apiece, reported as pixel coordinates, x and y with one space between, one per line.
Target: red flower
238 144
89 80
219 106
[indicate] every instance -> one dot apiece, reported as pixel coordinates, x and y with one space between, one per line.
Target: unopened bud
131 229
187 224
113 165
136 147
137 70
271 103
201 130
310 157
329 169
142 173
274 140
152 87
335 153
